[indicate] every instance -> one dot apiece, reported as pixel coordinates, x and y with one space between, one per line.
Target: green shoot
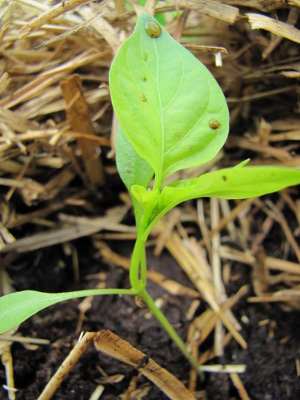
173 115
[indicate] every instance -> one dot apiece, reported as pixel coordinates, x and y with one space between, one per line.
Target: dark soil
272 336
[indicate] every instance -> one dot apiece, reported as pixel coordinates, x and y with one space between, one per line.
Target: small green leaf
171 108
242 164
229 183
148 198
132 168
17 307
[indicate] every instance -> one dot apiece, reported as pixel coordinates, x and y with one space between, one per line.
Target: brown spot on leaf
153 29
143 97
214 124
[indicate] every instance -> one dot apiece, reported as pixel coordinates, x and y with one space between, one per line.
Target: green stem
138 259
143 268
170 330
138 278
158 181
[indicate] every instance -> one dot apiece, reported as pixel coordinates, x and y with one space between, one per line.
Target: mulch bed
68 225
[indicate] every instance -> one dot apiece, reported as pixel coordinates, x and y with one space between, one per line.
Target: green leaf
229 183
171 108
148 198
17 307
132 168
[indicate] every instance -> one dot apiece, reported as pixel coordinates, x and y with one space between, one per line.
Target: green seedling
173 115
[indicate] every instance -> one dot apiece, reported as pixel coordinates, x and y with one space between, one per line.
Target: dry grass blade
206 322
225 369
7 361
74 30
102 27
111 344
67 366
74 228
243 205
271 262
279 28
279 217
216 273
214 9
239 386
79 119
97 393
51 13
200 280
5 348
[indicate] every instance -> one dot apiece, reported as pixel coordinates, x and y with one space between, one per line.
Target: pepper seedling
172 115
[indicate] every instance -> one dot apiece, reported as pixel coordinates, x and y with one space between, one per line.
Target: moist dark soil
271 333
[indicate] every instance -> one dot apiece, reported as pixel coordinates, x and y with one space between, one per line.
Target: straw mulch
66 216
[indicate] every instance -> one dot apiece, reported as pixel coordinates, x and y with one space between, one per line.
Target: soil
271 333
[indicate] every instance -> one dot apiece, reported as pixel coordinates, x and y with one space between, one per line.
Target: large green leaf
230 183
171 108
133 169
17 307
